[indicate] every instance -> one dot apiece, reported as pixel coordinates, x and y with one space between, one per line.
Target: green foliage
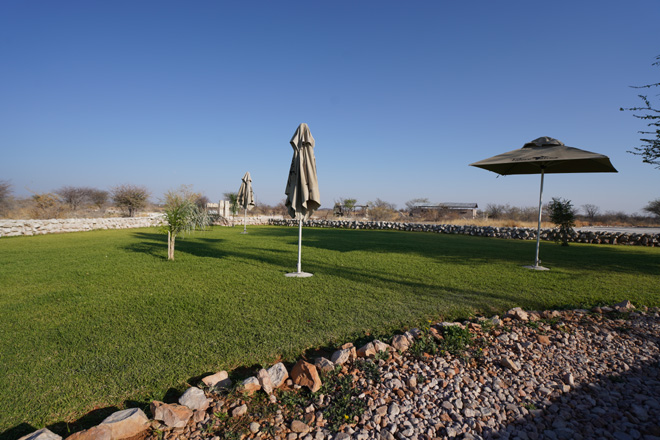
562 214
343 394
424 344
232 197
369 368
650 148
653 207
455 339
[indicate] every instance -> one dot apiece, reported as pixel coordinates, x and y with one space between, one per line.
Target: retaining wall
9 228
595 237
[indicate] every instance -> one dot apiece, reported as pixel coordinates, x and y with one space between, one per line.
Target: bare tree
46 205
74 196
380 210
5 195
98 197
132 198
653 207
591 211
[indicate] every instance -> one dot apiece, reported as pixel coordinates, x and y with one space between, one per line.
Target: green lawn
99 319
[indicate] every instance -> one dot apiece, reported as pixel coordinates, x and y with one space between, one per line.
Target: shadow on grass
156 245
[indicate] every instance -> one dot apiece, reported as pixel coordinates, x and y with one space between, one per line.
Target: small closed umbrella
245 198
546 155
302 187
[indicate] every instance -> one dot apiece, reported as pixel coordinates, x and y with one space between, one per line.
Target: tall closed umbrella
546 155
245 198
302 187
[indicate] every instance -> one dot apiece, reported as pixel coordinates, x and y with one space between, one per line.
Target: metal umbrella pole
538 229
300 222
245 222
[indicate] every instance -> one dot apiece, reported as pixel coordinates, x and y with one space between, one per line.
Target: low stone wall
9 228
595 237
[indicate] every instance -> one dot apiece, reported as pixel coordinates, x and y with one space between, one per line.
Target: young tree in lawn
650 148
182 215
132 198
562 214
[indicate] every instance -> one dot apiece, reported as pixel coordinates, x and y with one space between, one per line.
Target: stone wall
9 228
485 231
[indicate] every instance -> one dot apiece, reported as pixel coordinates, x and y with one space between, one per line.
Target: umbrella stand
300 273
245 223
538 230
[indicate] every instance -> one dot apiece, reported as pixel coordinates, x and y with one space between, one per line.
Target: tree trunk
170 245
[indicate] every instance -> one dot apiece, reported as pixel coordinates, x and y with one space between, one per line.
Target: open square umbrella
302 187
245 198
546 155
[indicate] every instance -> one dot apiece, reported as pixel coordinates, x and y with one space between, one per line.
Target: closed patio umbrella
245 198
302 188
542 156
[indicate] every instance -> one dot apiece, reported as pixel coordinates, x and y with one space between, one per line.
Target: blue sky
400 96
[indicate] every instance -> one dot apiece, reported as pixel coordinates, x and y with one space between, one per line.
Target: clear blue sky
400 96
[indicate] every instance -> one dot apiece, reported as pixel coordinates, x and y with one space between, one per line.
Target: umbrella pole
538 230
300 222
245 222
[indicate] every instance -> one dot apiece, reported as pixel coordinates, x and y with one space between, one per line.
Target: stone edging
195 402
595 237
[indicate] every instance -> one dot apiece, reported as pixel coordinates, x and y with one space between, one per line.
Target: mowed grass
101 319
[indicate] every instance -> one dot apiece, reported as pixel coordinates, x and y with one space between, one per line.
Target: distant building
460 208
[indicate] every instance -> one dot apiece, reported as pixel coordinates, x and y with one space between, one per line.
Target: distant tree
562 214
496 211
650 148
98 197
5 195
74 196
201 201
653 207
46 205
380 210
348 204
591 211
132 198
182 215
414 203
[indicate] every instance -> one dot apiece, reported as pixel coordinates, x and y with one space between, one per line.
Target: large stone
172 415
42 434
366 350
100 432
126 423
305 374
299 427
518 314
250 385
624 305
195 399
239 411
278 374
324 364
381 346
508 363
340 357
218 380
264 380
401 342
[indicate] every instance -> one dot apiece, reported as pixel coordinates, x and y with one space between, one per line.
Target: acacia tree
74 196
653 207
591 211
5 195
650 148
132 198
182 215
348 204
562 214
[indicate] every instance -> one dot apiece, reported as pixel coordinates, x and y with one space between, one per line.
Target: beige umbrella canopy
245 198
302 187
542 156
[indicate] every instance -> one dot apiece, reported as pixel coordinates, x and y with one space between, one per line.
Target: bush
132 198
562 214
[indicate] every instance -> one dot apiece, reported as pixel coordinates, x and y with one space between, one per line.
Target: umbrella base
244 232
536 267
298 274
